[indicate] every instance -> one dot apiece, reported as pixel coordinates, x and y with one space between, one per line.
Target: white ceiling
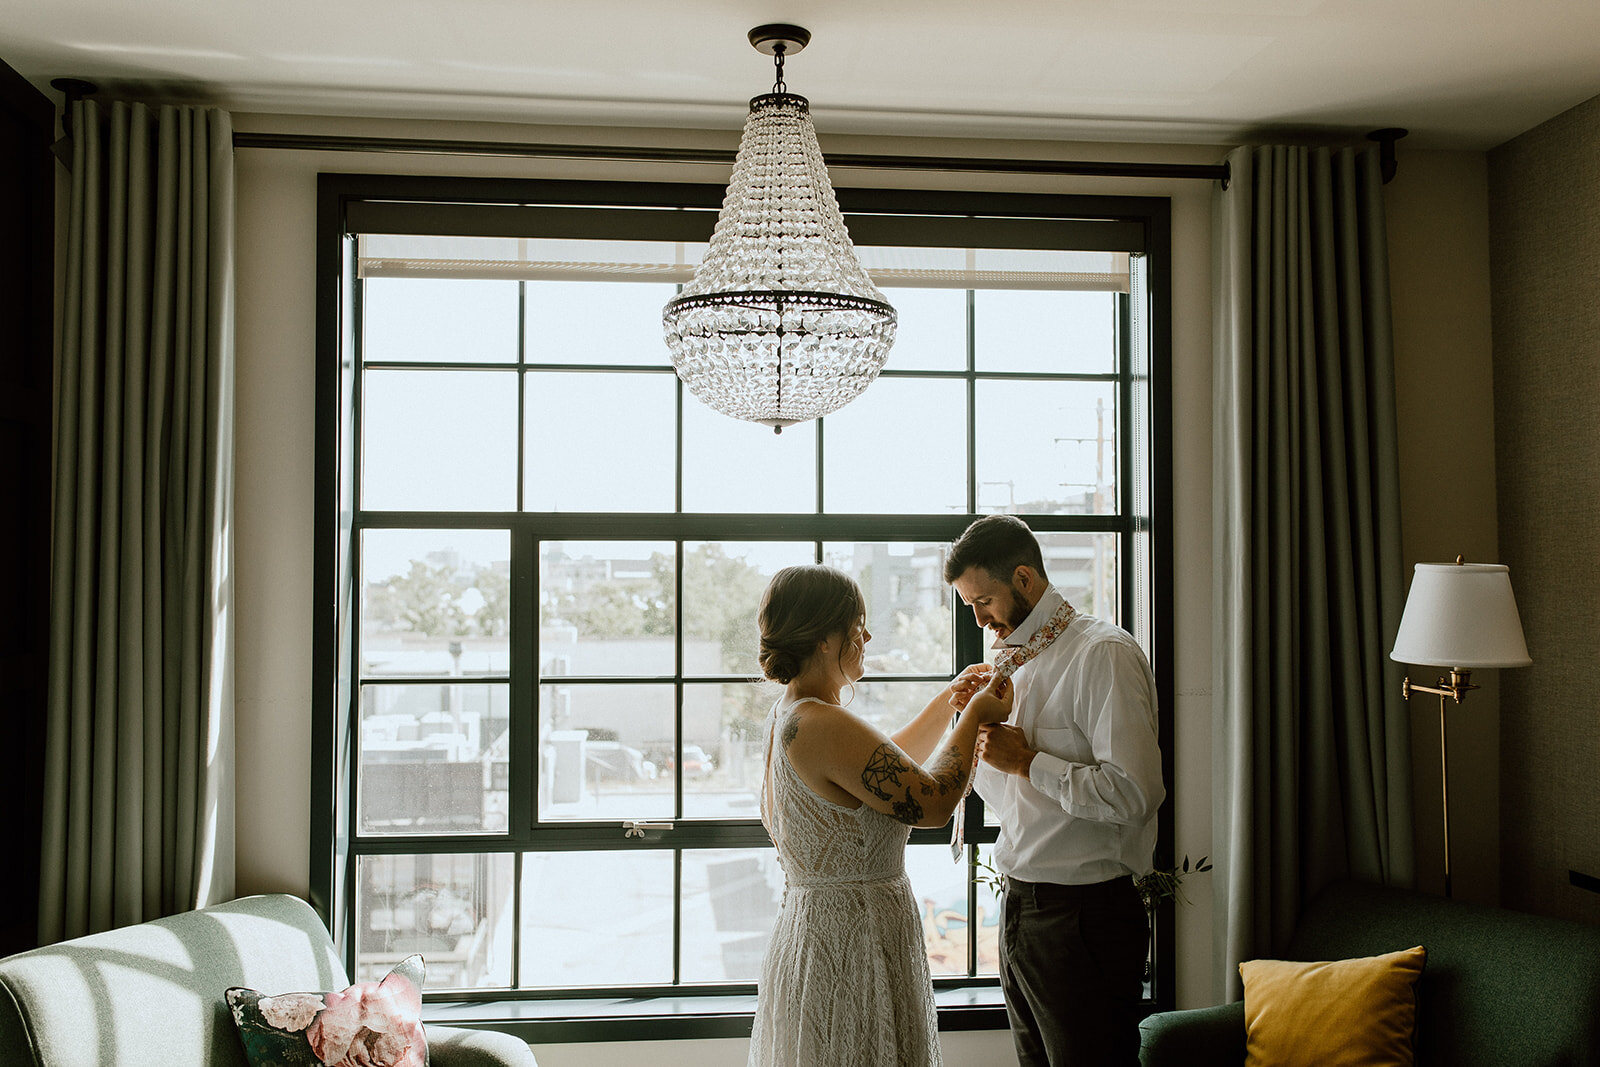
1456 73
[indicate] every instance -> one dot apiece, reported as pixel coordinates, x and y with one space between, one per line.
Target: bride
845 979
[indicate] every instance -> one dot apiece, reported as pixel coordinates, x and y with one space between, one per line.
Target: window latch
637 827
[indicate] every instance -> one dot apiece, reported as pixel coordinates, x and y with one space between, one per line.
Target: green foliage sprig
1168 884
1153 887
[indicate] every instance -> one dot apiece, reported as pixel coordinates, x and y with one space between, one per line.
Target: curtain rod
641 154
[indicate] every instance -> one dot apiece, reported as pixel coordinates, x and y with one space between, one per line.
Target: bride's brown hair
803 607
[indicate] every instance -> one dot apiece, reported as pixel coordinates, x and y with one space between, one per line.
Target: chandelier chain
777 60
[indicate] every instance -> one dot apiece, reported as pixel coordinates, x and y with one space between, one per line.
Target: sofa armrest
1200 1037
451 1046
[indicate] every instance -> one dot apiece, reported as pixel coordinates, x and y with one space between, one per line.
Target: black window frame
350 203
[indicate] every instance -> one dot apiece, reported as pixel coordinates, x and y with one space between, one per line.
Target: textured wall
1544 211
1438 222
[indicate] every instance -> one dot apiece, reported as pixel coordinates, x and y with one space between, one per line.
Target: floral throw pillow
373 1024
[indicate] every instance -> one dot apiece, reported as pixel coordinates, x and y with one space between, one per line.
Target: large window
540 740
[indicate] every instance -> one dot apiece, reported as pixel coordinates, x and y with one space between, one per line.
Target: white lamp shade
1461 615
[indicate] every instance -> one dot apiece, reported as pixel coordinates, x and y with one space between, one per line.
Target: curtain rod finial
74 88
1386 138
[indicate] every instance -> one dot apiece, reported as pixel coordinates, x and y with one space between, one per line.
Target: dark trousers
1072 961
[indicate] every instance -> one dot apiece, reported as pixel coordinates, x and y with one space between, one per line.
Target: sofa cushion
1343 1013
373 1023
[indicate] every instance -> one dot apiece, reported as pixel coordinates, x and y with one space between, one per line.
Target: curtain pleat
1312 762
139 762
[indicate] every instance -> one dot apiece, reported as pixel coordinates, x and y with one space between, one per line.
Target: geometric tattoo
884 768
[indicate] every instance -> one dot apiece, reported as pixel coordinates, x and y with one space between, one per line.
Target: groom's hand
1005 748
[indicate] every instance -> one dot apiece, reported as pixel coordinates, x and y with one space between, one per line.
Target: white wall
276 345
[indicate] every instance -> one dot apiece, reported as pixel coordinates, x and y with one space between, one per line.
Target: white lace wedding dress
845 980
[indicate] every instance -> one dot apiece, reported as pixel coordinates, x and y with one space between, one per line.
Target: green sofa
1500 989
152 993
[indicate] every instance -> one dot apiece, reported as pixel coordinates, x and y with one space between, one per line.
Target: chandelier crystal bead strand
780 323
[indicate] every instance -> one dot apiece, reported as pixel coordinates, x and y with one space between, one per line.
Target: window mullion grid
1126 498
972 404
523 832
677 681
348 768
522 392
677 910
677 727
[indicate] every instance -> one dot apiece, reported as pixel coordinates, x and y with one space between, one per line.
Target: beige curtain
1311 758
138 806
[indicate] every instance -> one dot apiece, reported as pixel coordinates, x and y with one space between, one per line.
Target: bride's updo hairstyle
803 607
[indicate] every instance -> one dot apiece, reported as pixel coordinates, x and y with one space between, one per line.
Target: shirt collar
1048 603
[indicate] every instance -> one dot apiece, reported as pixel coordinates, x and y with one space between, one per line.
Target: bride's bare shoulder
816 717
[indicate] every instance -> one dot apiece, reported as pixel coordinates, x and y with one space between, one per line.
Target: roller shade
564 259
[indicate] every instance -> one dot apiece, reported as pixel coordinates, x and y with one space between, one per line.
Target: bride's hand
993 702
968 683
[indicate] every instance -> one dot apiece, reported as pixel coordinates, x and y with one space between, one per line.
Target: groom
1075 779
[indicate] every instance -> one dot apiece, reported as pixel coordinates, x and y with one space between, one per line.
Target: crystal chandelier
780 323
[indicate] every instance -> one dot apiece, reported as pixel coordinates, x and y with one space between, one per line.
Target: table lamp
1459 616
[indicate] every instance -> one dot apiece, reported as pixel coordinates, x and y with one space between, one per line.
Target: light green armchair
153 992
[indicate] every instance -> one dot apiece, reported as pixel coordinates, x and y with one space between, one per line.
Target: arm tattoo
791 729
948 771
884 768
908 810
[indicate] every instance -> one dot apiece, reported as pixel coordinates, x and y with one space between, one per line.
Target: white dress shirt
1086 812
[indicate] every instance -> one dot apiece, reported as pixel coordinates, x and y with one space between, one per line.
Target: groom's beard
1016 614
1019 611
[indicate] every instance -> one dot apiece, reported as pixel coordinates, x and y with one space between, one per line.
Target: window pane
722 586
988 915
890 705
1050 331
724 748
901 447
940 888
601 442
439 320
605 752
908 604
932 329
435 603
730 901
439 440
433 758
1084 567
738 466
596 918
455 910
1047 447
606 608
597 322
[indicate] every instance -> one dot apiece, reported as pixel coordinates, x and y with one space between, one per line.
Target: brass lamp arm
1456 687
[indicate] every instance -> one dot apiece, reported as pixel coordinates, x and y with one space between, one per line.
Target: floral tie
1006 662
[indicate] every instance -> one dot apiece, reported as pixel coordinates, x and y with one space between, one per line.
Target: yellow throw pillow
1347 1013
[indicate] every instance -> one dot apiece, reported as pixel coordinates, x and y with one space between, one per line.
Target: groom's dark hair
999 544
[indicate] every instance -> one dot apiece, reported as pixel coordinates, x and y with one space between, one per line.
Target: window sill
665 1018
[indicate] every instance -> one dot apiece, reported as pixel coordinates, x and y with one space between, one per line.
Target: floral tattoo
907 811
948 772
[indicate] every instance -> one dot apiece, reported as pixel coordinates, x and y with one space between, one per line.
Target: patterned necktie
1006 662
